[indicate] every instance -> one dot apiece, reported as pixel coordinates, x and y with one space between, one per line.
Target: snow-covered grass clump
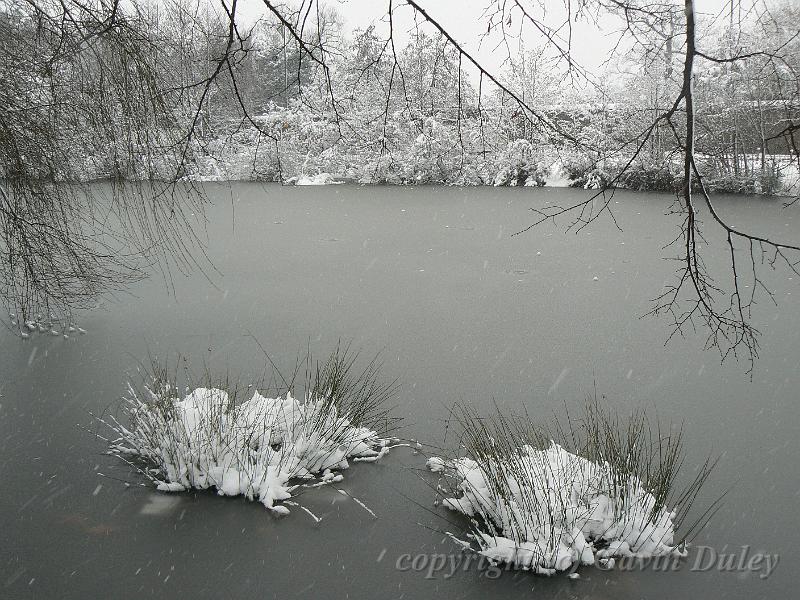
533 504
263 448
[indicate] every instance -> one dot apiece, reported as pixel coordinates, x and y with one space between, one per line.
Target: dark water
461 311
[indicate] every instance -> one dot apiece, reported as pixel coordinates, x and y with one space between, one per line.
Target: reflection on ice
160 504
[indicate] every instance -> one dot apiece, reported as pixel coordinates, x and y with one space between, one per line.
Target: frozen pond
461 311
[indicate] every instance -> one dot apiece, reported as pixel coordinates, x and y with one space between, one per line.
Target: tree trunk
688 98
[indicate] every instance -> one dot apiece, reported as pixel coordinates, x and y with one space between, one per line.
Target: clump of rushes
232 438
550 497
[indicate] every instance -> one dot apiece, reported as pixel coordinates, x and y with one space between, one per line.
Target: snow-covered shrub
647 176
753 183
584 172
297 141
245 154
382 169
550 499
263 448
517 166
430 156
641 175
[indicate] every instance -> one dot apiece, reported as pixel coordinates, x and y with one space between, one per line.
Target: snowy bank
319 179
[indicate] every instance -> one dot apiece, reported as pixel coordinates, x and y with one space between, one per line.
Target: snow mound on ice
546 510
263 448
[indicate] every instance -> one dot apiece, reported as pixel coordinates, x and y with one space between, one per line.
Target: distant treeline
374 111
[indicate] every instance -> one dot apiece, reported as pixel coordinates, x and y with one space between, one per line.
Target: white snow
55 327
556 176
552 509
319 179
263 448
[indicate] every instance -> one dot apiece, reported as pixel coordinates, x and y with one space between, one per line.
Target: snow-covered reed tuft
551 498
261 447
